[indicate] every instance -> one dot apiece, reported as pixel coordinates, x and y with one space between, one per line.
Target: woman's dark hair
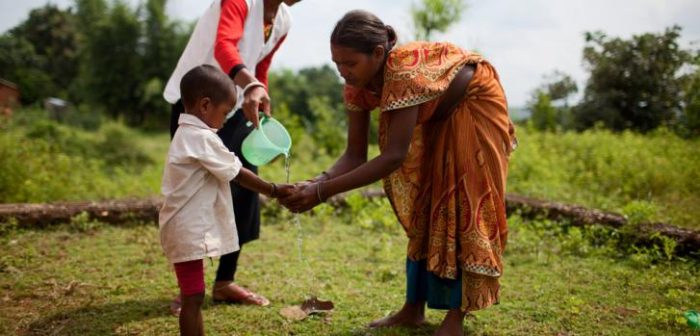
363 31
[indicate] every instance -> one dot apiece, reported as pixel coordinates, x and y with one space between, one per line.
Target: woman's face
357 68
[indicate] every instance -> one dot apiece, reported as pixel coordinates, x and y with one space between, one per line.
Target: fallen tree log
112 212
121 211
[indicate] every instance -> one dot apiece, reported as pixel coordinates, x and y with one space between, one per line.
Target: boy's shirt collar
189 119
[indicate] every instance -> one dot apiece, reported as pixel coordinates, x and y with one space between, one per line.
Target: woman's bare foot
411 315
452 324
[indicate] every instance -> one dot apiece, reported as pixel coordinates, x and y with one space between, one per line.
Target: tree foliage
314 96
40 54
430 16
634 84
296 90
106 55
549 106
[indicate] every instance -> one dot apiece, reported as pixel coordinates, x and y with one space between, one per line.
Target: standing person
197 217
240 37
444 170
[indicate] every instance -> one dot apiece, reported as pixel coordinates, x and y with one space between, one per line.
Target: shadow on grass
98 319
426 329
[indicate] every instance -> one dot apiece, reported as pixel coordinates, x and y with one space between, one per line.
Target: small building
9 97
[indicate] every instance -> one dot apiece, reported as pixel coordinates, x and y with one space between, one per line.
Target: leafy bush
43 161
602 169
119 146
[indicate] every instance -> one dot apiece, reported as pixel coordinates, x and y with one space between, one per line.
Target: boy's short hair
206 81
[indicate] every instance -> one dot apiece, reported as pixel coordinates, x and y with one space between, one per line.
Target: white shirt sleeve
218 160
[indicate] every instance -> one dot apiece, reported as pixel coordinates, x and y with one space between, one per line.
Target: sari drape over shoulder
449 193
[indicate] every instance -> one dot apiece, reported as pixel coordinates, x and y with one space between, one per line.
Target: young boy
197 220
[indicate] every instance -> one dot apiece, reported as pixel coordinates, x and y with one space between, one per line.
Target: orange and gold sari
449 194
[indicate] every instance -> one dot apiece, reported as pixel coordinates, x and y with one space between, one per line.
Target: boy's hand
303 198
284 190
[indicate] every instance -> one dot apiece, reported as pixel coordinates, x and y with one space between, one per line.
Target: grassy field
655 176
86 278
89 279
647 177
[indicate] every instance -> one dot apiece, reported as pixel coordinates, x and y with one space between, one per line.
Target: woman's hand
255 100
283 190
303 198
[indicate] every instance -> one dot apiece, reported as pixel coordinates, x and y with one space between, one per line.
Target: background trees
634 84
98 55
104 55
430 16
640 83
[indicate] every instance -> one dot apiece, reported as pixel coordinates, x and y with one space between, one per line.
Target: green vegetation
612 171
112 60
84 278
642 83
651 177
431 16
100 55
45 161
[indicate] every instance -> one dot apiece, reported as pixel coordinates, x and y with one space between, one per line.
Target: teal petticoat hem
439 293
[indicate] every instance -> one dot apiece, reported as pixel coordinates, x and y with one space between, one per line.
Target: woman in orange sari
444 175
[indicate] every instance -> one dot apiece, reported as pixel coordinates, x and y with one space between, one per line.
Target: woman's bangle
273 192
318 192
251 85
324 176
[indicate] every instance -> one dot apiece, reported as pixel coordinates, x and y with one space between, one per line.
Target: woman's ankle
416 308
218 284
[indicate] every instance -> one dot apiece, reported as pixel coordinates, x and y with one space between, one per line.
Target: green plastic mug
266 142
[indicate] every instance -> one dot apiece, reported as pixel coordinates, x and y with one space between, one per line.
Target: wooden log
121 211
112 212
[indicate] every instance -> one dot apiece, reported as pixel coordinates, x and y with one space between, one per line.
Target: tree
20 64
297 89
634 84
431 16
40 54
114 65
328 130
543 115
164 41
689 123
53 34
549 105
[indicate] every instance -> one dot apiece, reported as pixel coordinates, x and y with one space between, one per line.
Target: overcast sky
523 39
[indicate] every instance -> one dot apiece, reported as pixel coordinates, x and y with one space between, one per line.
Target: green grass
46 162
646 177
654 176
89 279
84 278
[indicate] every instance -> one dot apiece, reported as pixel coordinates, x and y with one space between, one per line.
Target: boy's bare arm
247 179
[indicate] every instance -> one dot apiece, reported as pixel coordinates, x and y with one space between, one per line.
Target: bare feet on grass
452 324
411 315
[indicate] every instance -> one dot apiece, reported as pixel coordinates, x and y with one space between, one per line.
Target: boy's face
214 114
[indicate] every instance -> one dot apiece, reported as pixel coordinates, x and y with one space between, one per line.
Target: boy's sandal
242 296
176 306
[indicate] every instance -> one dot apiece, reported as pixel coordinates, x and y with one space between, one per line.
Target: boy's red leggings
190 277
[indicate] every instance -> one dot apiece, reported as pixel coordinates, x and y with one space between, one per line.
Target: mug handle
261 120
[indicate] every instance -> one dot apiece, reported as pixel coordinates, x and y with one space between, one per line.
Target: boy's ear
205 105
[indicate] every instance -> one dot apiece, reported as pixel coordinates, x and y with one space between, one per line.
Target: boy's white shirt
197 219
